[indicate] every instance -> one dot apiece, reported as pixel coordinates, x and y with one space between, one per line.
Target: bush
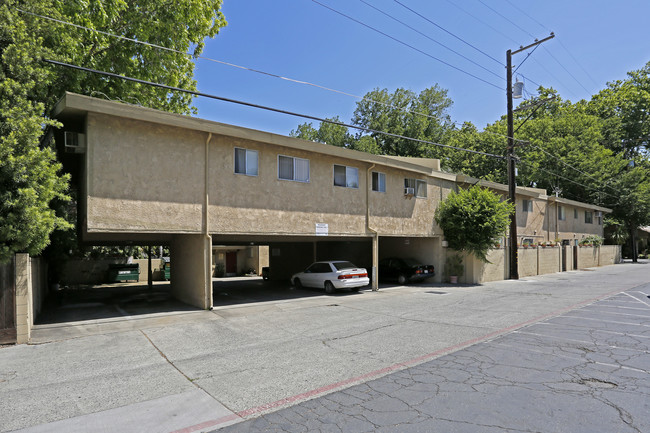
473 219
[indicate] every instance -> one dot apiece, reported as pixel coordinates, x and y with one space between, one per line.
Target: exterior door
231 263
7 303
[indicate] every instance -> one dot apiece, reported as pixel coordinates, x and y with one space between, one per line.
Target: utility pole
512 186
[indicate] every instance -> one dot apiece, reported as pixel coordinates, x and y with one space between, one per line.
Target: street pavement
562 352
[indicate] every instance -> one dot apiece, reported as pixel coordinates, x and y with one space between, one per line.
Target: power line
431 39
496 31
483 22
276 110
448 32
531 18
565 163
577 62
566 70
405 44
136 41
506 18
559 40
529 164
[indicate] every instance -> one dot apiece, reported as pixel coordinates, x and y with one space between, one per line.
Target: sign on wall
322 229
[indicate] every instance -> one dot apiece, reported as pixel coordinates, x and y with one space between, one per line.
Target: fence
538 261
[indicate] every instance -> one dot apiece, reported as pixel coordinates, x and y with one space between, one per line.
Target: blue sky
596 42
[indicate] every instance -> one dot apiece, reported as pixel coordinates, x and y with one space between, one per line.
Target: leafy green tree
624 106
472 219
327 132
30 176
423 116
475 165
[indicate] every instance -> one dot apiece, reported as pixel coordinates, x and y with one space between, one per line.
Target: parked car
404 270
332 275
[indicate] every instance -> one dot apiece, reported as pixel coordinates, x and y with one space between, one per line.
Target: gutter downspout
207 250
375 235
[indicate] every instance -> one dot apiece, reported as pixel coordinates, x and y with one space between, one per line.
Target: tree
472 219
624 106
327 132
29 173
423 116
475 165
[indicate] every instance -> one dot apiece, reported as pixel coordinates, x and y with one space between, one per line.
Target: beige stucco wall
148 177
143 176
531 224
191 280
571 228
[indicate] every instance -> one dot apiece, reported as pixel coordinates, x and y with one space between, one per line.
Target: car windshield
343 265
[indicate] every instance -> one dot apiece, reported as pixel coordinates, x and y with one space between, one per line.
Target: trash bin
167 271
123 272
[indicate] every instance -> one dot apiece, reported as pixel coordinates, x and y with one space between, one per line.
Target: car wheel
329 287
297 284
401 279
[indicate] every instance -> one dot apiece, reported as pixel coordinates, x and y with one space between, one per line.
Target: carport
146 177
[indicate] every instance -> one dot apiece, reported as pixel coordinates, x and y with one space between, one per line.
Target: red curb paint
374 374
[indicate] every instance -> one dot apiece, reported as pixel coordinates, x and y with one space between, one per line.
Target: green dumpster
167 271
123 272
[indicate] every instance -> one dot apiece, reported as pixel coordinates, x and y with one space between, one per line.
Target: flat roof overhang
74 107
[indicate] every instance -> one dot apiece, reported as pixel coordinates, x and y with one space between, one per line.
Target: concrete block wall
24 301
609 255
588 257
548 260
527 262
496 270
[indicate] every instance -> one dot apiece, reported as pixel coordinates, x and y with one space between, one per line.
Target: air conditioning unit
410 192
599 214
75 142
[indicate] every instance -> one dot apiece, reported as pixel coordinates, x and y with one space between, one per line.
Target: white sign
322 229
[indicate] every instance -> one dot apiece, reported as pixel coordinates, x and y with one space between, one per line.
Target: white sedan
332 275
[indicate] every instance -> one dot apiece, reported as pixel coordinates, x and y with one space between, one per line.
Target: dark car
404 270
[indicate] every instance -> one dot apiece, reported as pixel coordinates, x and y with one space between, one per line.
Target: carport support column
191 261
375 262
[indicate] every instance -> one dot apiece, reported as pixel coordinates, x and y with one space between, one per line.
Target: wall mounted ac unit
75 142
599 214
409 192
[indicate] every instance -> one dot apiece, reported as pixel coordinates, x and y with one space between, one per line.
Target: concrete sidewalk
244 361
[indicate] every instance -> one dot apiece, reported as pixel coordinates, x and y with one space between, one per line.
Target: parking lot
243 361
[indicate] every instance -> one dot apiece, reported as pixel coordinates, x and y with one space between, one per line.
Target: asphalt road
536 354
583 371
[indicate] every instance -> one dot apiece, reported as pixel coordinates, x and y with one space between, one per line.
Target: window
245 161
575 213
290 168
419 187
528 205
346 176
561 215
599 218
589 217
378 182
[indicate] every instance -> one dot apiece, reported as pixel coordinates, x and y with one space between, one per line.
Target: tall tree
423 116
624 106
29 173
